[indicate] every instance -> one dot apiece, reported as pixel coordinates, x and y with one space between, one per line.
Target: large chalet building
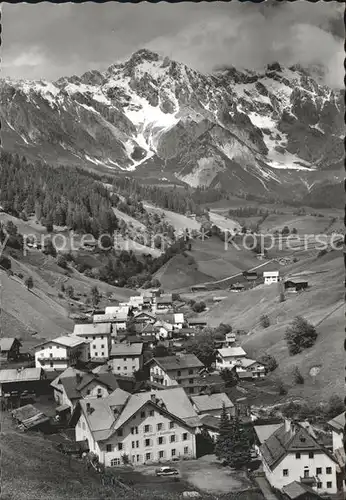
294 452
61 352
147 427
175 370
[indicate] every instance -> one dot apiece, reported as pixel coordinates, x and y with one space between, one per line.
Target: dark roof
132 339
211 422
73 385
29 416
295 490
197 321
284 441
165 299
178 362
338 423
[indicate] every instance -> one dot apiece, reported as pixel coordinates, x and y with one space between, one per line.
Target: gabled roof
114 310
125 349
264 432
132 339
165 299
338 423
227 352
144 313
69 372
270 273
20 375
247 362
92 329
65 341
30 416
284 441
178 362
120 317
197 321
295 490
211 422
212 402
104 421
6 343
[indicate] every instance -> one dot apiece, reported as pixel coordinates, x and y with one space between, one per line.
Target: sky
50 40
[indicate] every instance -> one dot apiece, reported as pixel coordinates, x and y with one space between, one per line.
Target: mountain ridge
256 132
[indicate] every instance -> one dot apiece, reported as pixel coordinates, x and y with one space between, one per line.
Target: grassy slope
177 274
31 469
325 295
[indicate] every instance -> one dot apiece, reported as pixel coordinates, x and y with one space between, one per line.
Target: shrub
62 261
300 335
297 376
264 321
199 307
269 362
29 282
282 389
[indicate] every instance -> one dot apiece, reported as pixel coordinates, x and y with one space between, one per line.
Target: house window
185 436
142 414
172 438
125 359
329 484
51 364
306 473
102 346
173 452
118 367
125 367
94 338
147 428
161 454
190 372
96 354
285 472
99 390
101 337
191 381
88 392
133 444
191 390
179 373
147 456
120 446
311 454
151 413
318 471
147 442
83 426
328 470
137 444
109 447
160 440
319 485
171 425
102 353
159 427
298 455
115 461
120 432
186 450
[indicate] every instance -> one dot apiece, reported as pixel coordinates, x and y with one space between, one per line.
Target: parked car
167 471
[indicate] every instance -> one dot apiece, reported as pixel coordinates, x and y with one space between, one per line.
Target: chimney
89 409
79 378
288 425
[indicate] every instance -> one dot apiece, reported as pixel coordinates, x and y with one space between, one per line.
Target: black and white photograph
172 278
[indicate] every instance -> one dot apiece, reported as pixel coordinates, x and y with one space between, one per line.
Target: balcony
56 358
308 480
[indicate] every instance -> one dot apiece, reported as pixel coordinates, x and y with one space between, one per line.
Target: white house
99 336
126 358
294 453
62 352
228 356
148 427
271 277
117 320
249 368
230 338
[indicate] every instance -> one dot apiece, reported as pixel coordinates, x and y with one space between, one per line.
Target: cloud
70 38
